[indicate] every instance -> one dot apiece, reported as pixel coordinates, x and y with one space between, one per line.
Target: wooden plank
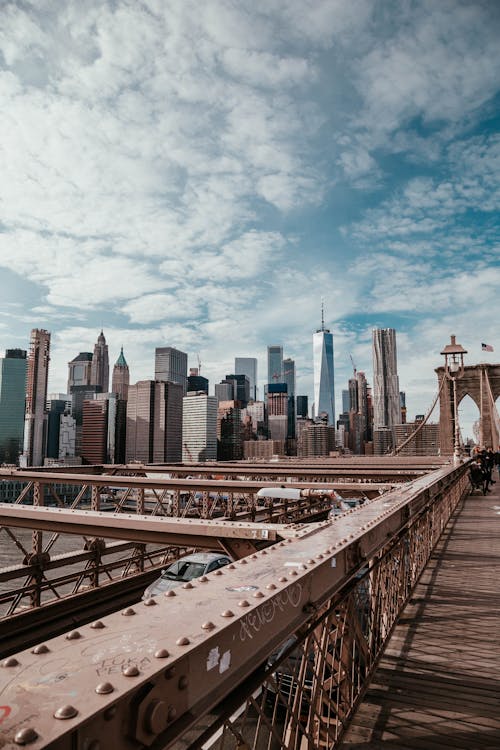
437 684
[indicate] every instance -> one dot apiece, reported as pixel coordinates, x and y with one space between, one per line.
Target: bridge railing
273 651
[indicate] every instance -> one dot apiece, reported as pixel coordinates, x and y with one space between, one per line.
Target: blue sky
201 175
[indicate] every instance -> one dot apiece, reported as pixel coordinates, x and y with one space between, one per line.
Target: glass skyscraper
12 396
247 366
324 391
275 364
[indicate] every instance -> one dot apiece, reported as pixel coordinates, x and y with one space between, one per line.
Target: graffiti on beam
253 622
116 664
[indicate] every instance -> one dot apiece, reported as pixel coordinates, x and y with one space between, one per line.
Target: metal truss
273 651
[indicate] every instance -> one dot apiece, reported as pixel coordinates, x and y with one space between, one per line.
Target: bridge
314 636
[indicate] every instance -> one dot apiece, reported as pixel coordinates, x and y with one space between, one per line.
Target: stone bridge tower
473 383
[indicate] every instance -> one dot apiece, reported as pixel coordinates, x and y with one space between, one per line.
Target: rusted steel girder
141 677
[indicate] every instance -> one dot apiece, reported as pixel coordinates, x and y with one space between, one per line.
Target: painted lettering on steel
252 623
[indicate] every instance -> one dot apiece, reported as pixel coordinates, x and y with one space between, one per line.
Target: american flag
486 347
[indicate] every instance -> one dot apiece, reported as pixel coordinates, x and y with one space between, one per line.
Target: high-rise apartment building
36 397
171 365
199 427
386 409
154 422
248 366
324 385
121 377
99 371
12 398
274 364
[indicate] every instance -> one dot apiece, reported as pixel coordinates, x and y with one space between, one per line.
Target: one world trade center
324 392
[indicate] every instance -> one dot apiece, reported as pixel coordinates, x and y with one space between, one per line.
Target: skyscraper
36 397
386 409
171 365
247 366
79 370
324 391
199 428
241 388
121 377
274 364
12 396
154 422
99 373
289 380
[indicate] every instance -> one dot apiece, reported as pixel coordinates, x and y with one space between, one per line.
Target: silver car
185 569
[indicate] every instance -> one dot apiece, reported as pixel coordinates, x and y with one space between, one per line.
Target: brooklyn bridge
358 608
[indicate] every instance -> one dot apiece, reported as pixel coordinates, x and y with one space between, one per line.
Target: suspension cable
424 421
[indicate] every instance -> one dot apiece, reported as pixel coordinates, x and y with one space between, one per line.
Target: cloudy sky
203 174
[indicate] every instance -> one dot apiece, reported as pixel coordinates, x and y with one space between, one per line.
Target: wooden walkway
438 682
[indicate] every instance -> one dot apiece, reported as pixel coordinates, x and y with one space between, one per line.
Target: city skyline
200 178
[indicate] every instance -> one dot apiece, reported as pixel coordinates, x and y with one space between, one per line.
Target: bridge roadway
437 686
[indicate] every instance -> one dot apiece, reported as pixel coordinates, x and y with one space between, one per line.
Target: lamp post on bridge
454 369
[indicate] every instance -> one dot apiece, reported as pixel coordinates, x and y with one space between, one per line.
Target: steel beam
140 677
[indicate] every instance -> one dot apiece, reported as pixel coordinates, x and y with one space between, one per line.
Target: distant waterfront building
12 404
346 400
241 388
324 385
402 406
229 442
99 371
36 397
425 442
171 366
196 382
95 431
257 413
58 404
154 422
67 436
302 406
315 439
248 366
79 370
277 411
121 377
289 375
199 427
274 364
224 391
289 380
386 405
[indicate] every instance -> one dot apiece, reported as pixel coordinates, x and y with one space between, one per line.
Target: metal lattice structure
273 651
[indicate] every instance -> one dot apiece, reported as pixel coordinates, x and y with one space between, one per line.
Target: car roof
203 557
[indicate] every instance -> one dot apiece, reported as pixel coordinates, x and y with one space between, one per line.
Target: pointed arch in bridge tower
482 383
